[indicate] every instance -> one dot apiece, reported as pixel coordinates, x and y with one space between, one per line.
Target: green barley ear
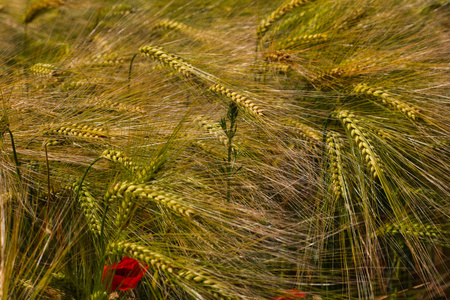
265 24
41 69
438 235
40 7
337 167
143 254
99 295
213 129
148 192
371 158
169 267
89 207
301 40
386 98
149 170
242 101
118 157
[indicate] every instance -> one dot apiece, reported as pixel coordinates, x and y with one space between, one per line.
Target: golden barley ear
337 167
242 101
169 60
371 158
386 98
76 130
169 267
141 191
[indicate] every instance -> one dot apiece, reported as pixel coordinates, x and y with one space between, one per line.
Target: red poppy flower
294 293
124 275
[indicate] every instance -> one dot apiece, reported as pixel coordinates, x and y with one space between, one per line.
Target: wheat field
238 149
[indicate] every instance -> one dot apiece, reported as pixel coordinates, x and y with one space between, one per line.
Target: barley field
226 149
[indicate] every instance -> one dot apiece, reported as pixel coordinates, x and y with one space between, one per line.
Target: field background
239 148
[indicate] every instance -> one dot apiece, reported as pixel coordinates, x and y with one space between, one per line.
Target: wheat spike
40 7
240 100
334 146
41 69
386 98
76 130
213 129
306 132
122 107
277 57
168 59
213 286
147 192
99 295
142 254
118 157
371 159
289 21
146 173
88 205
427 232
173 25
303 39
272 67
166 265
265 24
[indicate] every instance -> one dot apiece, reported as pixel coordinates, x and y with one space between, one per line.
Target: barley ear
40 7
240 100
352 126
386 98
